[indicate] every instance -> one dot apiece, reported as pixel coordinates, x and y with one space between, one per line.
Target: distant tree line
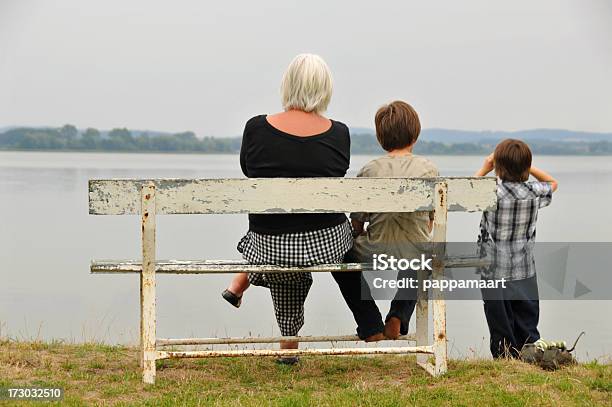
365 143
69 138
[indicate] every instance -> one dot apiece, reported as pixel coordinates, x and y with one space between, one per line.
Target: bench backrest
290 195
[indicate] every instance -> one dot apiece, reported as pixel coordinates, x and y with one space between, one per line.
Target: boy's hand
357 227
489 163
487 166
543 176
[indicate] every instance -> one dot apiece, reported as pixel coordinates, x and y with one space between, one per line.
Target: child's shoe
287 360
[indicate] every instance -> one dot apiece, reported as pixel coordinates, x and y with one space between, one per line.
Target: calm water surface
47 240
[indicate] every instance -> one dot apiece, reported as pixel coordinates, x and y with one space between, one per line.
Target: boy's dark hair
397 125
512 160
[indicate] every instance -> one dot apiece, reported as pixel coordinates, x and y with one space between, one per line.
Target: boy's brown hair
397 125
512 160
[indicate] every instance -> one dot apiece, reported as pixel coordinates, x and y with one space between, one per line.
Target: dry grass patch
108 375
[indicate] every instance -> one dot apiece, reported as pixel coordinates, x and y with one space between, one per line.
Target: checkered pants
289 290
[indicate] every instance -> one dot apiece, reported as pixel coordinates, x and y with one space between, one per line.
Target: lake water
47 240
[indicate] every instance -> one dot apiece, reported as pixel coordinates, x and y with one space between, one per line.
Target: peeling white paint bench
149 198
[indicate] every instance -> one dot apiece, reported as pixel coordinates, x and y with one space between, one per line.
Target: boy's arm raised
543 176
487 166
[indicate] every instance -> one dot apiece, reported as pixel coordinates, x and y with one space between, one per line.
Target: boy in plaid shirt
507 235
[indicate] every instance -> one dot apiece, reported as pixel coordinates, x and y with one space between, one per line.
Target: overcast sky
208 66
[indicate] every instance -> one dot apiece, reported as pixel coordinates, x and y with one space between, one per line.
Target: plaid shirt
507 235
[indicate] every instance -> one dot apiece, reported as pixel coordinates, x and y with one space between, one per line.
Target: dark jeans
357 295
512 315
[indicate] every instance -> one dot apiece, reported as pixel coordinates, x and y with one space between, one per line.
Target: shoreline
218 153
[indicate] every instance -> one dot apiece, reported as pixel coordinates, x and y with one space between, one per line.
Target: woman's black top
268 152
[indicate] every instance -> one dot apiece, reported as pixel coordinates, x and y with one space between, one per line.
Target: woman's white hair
307 84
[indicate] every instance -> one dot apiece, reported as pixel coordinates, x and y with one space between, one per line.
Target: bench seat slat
290 195
238 266
211 267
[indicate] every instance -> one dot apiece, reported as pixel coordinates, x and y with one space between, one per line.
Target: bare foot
375 338
289 344
392 328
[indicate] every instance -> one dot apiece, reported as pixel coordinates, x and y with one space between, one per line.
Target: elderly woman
298 142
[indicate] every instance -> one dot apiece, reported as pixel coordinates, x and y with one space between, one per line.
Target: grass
104 375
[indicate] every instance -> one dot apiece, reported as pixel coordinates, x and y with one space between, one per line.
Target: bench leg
147 286
422 318
439 328
140 355
438 303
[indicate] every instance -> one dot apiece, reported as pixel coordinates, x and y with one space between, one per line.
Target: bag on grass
549 355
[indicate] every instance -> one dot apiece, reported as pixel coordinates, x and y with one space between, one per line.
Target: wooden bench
149 198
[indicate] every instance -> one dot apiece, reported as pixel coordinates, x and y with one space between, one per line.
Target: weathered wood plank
290 195
269 339
422 316
437 296
292 352
427 366
147 285
213 267
237 266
